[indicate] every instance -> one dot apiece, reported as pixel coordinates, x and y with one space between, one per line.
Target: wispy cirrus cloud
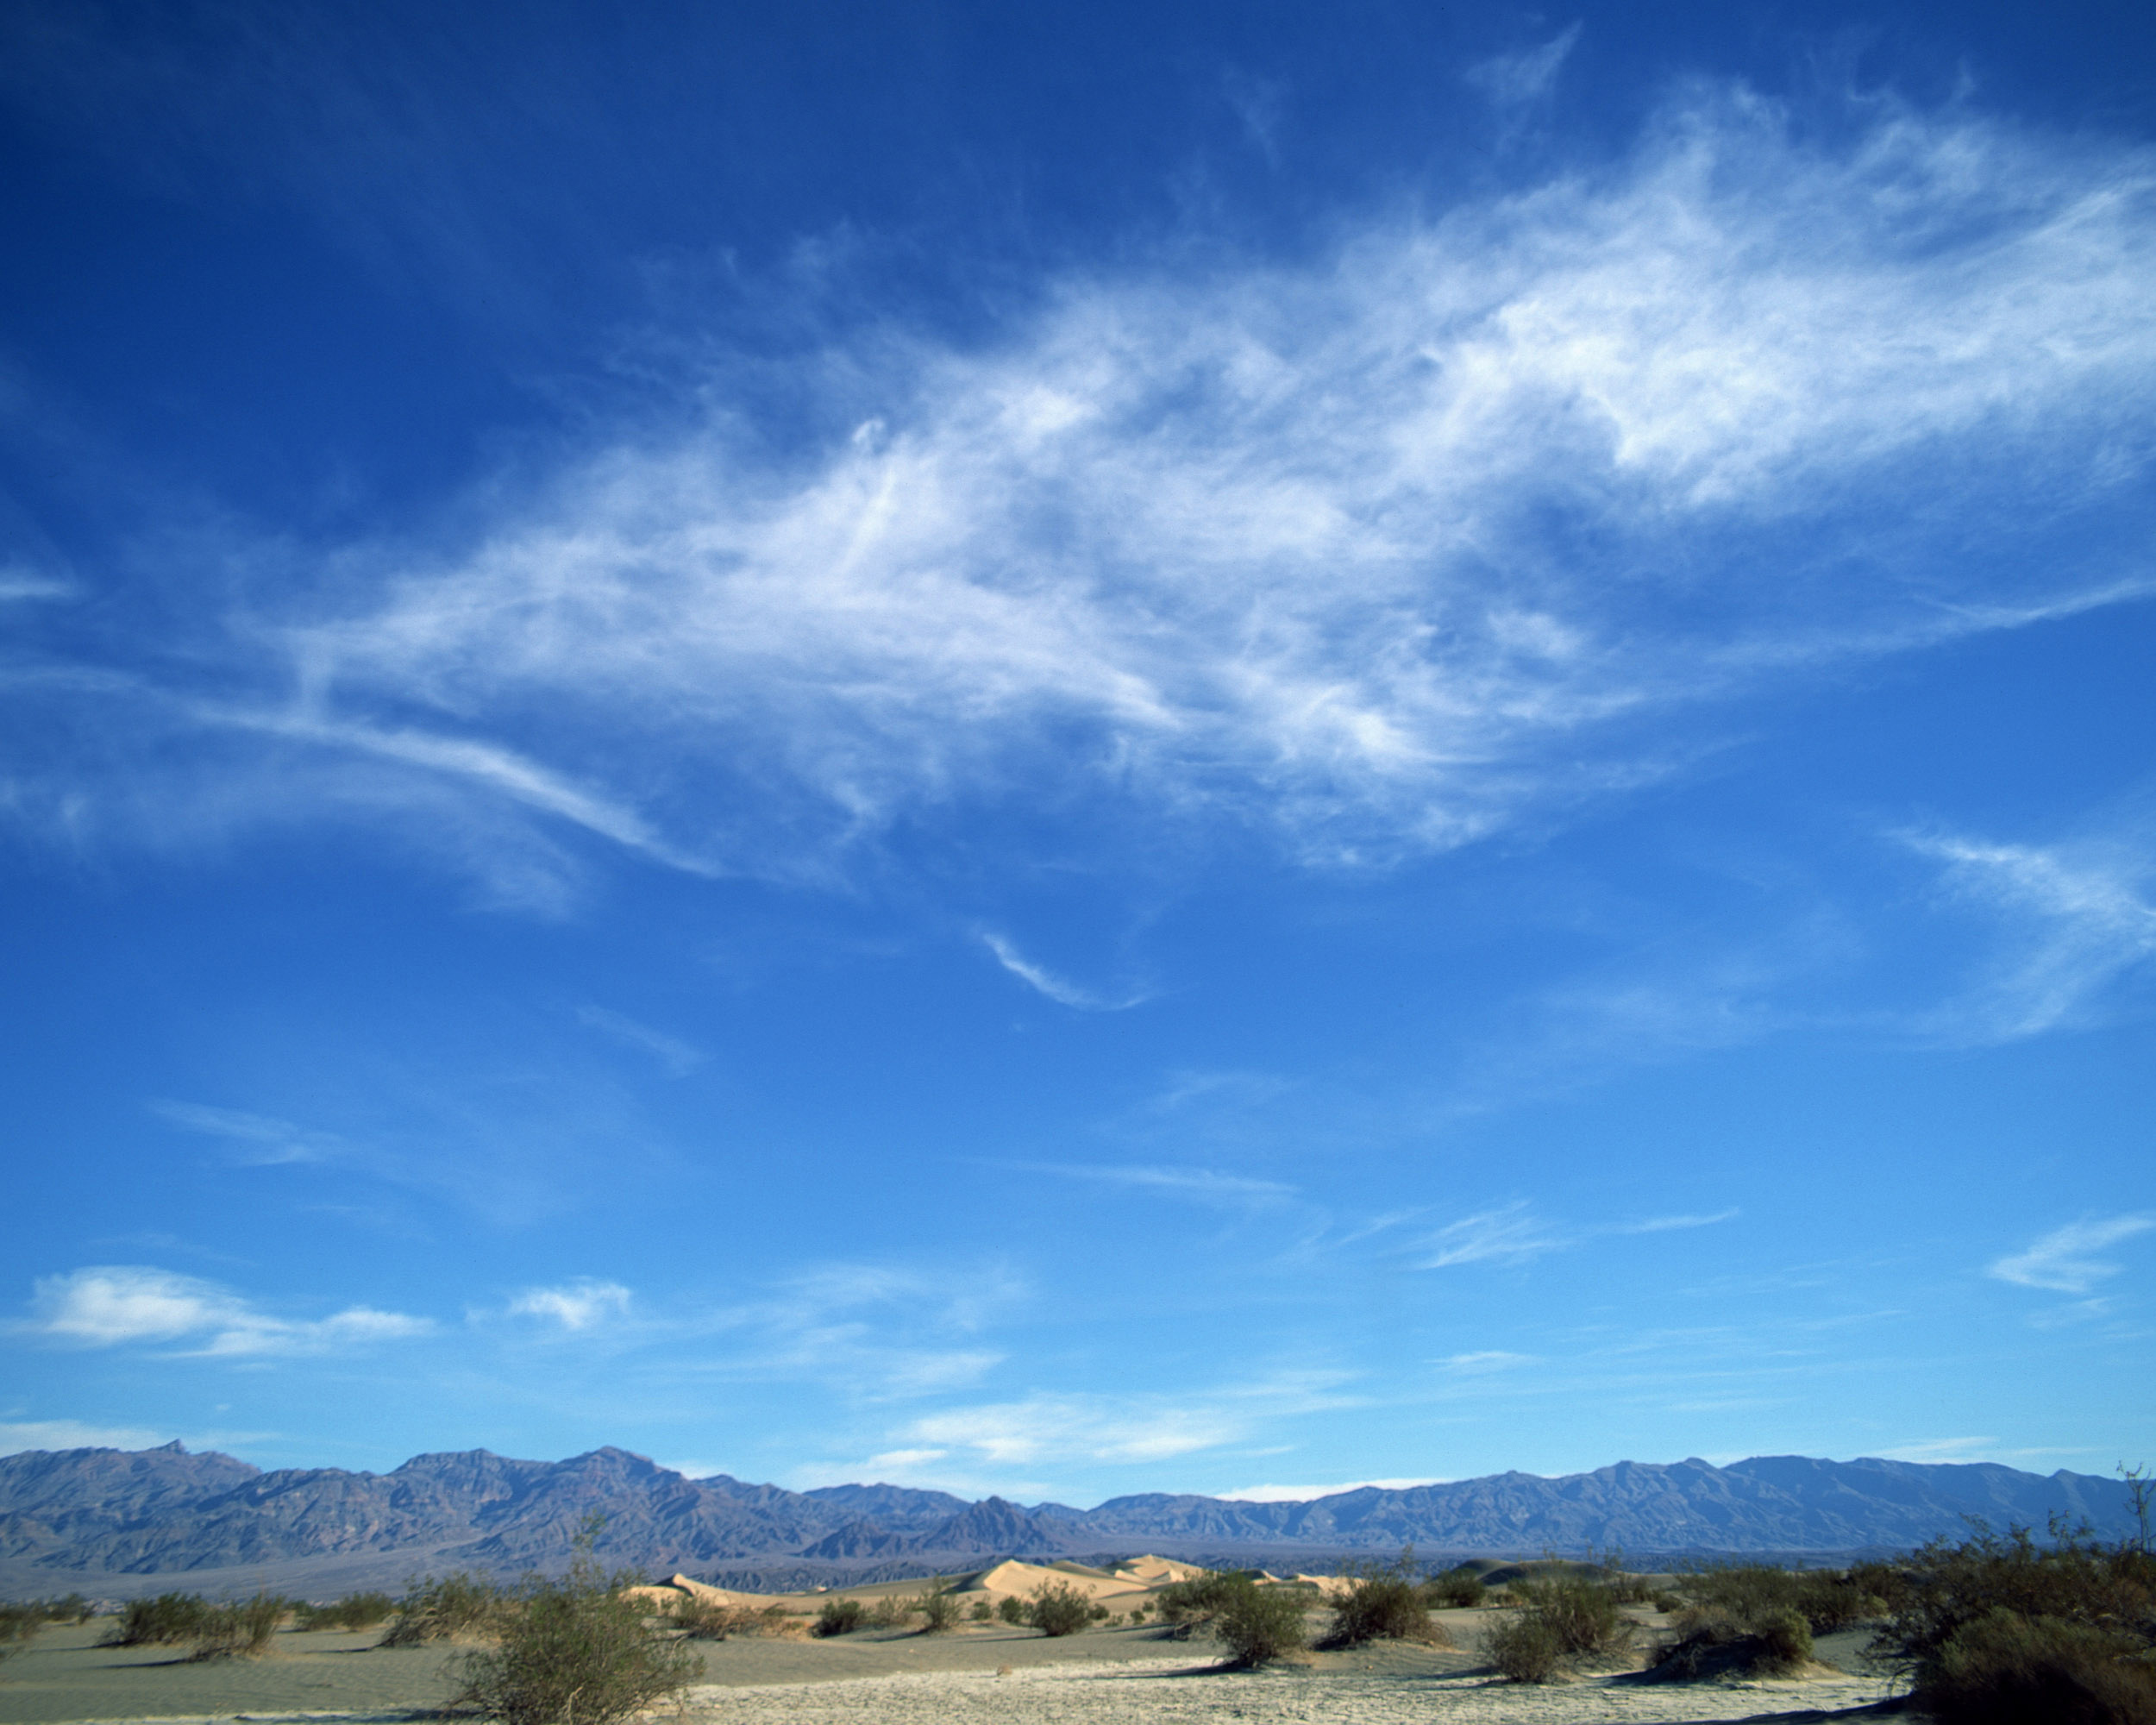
2077 919
2065 1260
1269 547
1205 1185
255 1140
111 1305
680 1058
583 1304
1510 1234
1059 989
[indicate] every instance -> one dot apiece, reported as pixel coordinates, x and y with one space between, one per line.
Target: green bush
575 1652
1385 1604
238 1631
1581 1613
1525 1648
17 1624
1749 1594
1560 1618
838 1617
163 1621
1011 1609
354 1611
982 1612
2000 1613
1058 1609
1186 1604
1260 1624
939 1610
2004 1669
1774 1642
457 1605
1457 1588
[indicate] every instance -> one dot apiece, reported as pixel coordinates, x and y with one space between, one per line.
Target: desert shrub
1011 1609
1386 1603
982 1612
1948 1588
17 1624
1458 1589
1748 1594
456 1605
838 1617
939 1610
576 1651
1664 1599
1581 1613
890 1612
2004 1669
1776 1642
1058 1609
1525 1648
163 1621
237 1631
1186 1604
712 1619
1260 1624
354 1611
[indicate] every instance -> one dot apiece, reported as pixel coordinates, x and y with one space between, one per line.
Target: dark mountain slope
166 1512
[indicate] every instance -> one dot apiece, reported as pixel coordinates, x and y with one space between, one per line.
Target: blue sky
1075 749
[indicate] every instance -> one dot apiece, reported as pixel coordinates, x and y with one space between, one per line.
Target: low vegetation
1560 1620
1260 1624
938 1609
1996 1627
1058 1609
1456 1589
240 1630
1385 1602
713 1620
838 1617
459 1606
575 1651
1257 1624
354 1611
22 1619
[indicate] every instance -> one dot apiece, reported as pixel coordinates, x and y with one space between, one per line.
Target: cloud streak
115 1305
1057 988
2064 1261
1289 549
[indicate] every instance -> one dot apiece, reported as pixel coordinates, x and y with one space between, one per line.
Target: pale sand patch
1170 1692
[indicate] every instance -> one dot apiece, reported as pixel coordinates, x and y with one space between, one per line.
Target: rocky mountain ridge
165 1511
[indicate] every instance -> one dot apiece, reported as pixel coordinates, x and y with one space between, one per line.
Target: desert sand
981 1674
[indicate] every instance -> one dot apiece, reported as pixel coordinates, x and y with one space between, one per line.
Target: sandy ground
981 1675
1174 1692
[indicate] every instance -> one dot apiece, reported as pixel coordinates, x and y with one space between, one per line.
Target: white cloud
1943 1449
580 1305
111 1305
1047 982
1119 1429
1282 548
1486 1360
75 1434
1511 1234
257 1140
1304 1494
2079 920
1205 1184
1513 79
680 1058
2064 1260
1658 1225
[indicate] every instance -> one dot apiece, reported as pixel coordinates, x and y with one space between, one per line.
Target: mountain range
103 1514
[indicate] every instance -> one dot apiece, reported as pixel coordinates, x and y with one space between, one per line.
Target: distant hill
94 1512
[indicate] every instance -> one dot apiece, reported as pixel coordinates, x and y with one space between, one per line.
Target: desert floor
977 1676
